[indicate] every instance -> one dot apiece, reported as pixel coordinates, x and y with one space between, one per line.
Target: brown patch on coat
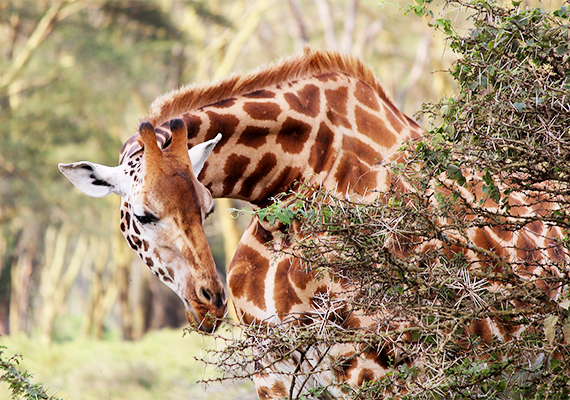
293 135
221 123
263 168
193 124
263 392
280 184
395 122
322 150
278 389
384 358
226 103
360 149
367 96
332 76
343 366
373 127
248 271
504 234
266 111
284 293
253 136
482 329
234 170
525 249
484 240
298 275
365 375
262 235
553 248
260 94
354 176
306 101
337 102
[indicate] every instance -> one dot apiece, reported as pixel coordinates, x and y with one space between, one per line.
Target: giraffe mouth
208 323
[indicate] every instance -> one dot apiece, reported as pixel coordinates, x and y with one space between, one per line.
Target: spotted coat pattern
320 118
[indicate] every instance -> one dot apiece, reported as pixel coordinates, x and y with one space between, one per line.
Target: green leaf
419 11
454 172
562 49
487 178
519 106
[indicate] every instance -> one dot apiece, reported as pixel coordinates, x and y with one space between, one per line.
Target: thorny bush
506 131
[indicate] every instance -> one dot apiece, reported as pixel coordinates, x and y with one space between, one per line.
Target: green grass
160 366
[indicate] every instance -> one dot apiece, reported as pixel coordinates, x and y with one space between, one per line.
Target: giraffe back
321 119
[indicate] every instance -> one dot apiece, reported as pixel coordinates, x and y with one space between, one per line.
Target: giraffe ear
94 180
200 152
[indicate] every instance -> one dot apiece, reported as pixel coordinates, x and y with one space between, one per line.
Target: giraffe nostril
207 295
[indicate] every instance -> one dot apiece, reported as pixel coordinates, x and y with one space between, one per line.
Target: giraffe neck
327 130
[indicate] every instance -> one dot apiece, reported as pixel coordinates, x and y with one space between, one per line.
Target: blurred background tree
76 79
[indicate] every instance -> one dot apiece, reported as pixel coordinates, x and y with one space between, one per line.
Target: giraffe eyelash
146 218
210 212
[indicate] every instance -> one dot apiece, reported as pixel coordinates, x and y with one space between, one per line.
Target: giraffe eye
146 218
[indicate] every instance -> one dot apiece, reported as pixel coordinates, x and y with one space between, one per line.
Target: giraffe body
319 118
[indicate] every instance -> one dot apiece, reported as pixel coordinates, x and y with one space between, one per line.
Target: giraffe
318 117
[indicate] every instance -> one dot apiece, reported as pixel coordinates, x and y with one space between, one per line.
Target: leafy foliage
511 115
500 145
20 382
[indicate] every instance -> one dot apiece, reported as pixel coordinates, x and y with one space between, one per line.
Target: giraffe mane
306 63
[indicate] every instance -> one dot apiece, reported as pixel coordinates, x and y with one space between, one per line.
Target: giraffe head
162 212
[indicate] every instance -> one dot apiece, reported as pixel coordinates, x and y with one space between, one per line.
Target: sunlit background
76 78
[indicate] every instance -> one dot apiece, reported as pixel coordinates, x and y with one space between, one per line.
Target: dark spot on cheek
136 228
149 262
122 227
131 243
137 242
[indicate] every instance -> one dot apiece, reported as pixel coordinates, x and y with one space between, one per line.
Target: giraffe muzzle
207 310
216 300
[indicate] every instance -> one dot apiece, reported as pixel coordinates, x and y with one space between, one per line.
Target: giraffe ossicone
318 117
